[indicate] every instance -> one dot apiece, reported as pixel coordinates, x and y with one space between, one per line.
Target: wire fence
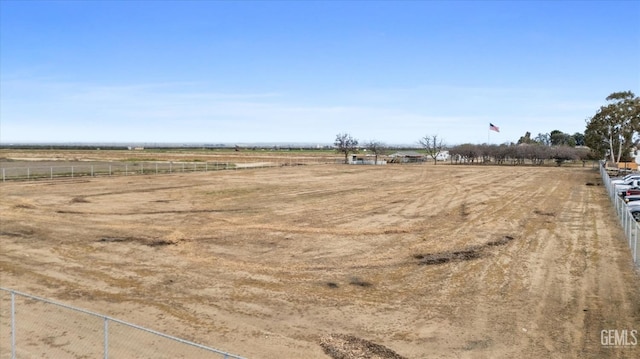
33 327
95 169
625 214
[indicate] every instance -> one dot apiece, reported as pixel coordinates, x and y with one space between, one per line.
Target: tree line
516 154
613 132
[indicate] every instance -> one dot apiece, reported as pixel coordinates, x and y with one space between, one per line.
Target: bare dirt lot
429 261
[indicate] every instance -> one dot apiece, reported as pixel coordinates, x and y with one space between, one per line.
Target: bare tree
465 153
561 154
377 148
346 144
432 145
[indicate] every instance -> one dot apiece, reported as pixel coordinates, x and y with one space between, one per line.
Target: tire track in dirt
258 282
608 301
508 272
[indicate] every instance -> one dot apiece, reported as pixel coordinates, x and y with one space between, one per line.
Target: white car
635 211
620 188
627 178
634 208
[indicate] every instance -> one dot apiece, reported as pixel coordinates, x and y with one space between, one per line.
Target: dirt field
430 261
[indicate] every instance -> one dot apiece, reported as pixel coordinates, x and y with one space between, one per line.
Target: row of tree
533 153
612 132
517 154
554 138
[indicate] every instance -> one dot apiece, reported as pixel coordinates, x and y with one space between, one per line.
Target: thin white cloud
183 112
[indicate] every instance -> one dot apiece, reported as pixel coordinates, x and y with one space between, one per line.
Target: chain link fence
33 327
628 222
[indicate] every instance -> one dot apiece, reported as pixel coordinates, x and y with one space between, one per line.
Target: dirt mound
445 257
469 253
341 346
151 242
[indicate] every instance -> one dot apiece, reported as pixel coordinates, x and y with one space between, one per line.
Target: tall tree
613 128
543 139
345 144
559 138
578 138
525 139
432 145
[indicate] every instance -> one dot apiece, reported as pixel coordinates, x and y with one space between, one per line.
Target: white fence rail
95 169
33 327
629 224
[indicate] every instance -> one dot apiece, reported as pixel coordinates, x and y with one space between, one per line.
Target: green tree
543 139
559 138
578 138
612 129
525 139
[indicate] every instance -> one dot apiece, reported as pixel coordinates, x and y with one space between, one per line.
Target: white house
443 156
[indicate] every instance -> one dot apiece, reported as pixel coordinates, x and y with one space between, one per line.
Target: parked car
620 188
627 178
631 192
635 212
633 206
632 198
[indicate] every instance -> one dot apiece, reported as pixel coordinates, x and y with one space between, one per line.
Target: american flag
493 127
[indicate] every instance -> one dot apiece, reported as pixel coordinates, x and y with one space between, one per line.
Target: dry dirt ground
428 261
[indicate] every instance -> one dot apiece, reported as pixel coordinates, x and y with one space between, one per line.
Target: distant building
443 156
407 157
360 159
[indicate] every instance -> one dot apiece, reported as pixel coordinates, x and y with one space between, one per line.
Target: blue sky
303 71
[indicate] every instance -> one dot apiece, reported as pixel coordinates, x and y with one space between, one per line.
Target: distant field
430 261
55 164
186 155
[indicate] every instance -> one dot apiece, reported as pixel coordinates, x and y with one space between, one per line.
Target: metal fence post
106 337
631 225
105 326
91 170
28 173
71 171
13 325
635 248
628 229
